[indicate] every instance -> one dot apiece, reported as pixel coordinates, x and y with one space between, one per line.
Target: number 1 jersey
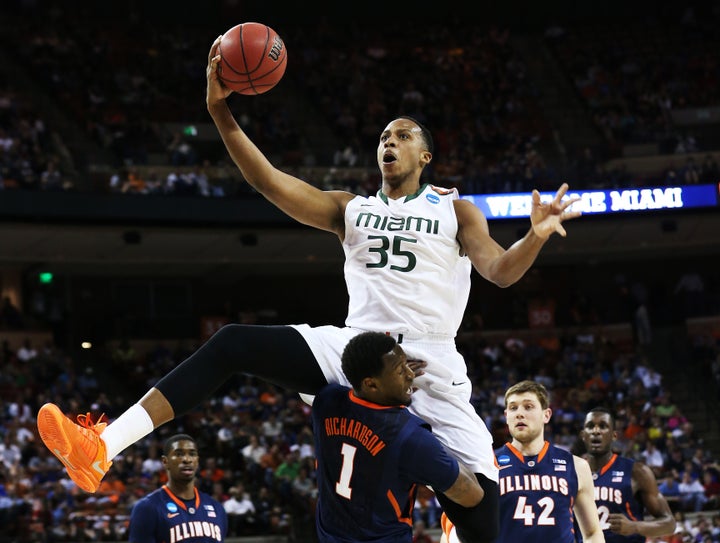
369 459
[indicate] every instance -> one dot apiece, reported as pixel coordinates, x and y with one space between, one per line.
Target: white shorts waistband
414 336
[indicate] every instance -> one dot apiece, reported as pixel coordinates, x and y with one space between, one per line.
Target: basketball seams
248 81
241 43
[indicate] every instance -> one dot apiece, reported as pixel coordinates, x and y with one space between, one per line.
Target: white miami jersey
403 267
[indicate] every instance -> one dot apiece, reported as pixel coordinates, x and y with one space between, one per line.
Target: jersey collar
409 197
180 503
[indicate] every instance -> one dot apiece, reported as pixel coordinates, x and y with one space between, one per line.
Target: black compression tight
277 354
479 524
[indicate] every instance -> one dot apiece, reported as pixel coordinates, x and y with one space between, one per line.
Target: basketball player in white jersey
409 252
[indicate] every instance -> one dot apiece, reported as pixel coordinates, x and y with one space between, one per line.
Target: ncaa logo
504 459
433 198
171 507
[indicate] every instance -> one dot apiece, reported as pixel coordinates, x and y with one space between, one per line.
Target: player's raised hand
547 217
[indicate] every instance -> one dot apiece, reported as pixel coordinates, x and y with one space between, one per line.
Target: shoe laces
86 422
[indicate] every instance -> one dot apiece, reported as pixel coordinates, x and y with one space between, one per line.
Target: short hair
174 439
530 386
363 356
604 411
426 135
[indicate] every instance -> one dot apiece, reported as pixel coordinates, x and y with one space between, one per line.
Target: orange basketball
253 59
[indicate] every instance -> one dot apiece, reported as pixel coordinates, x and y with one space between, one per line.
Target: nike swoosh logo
64 460
96 467
172 515
458 384
505 467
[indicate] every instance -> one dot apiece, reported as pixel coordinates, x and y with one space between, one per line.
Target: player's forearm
253 165
466 490
517 260
655 527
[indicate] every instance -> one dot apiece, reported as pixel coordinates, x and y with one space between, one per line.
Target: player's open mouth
388 158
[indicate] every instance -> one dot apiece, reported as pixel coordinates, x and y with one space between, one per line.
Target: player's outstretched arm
663 522
585 509
300 200
466 490
506 267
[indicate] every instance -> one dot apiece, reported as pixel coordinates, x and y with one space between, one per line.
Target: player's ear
547 415
369 384
425 157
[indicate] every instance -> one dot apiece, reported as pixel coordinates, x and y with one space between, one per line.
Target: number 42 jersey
537 494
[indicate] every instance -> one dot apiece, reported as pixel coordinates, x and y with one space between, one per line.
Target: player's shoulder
149 501
580 463
443 191
502 449
331 391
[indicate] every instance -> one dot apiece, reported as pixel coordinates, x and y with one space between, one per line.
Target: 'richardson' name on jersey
188 530
341 426
524 483
395 224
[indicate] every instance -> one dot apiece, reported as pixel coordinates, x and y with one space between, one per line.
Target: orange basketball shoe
78 446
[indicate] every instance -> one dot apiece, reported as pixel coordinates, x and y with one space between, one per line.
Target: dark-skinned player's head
172 440
604 411
598 431
426 135
378 369
363 356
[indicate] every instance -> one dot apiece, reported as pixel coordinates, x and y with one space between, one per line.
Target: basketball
253 58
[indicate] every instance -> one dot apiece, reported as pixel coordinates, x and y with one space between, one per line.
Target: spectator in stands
692 493
181 152
134 183
654 458
240 510
26 352
10 315
670 488
51 179
711 484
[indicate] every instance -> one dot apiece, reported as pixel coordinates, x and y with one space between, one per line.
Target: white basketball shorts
442 398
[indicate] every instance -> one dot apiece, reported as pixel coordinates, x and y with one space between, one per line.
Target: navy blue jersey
369 459
162 517
537 495
614 494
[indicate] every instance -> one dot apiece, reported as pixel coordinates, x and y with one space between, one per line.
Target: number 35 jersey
537 495
403 264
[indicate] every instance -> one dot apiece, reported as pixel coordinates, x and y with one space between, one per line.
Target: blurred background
127 236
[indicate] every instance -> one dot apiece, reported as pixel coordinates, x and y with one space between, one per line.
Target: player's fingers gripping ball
253 58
